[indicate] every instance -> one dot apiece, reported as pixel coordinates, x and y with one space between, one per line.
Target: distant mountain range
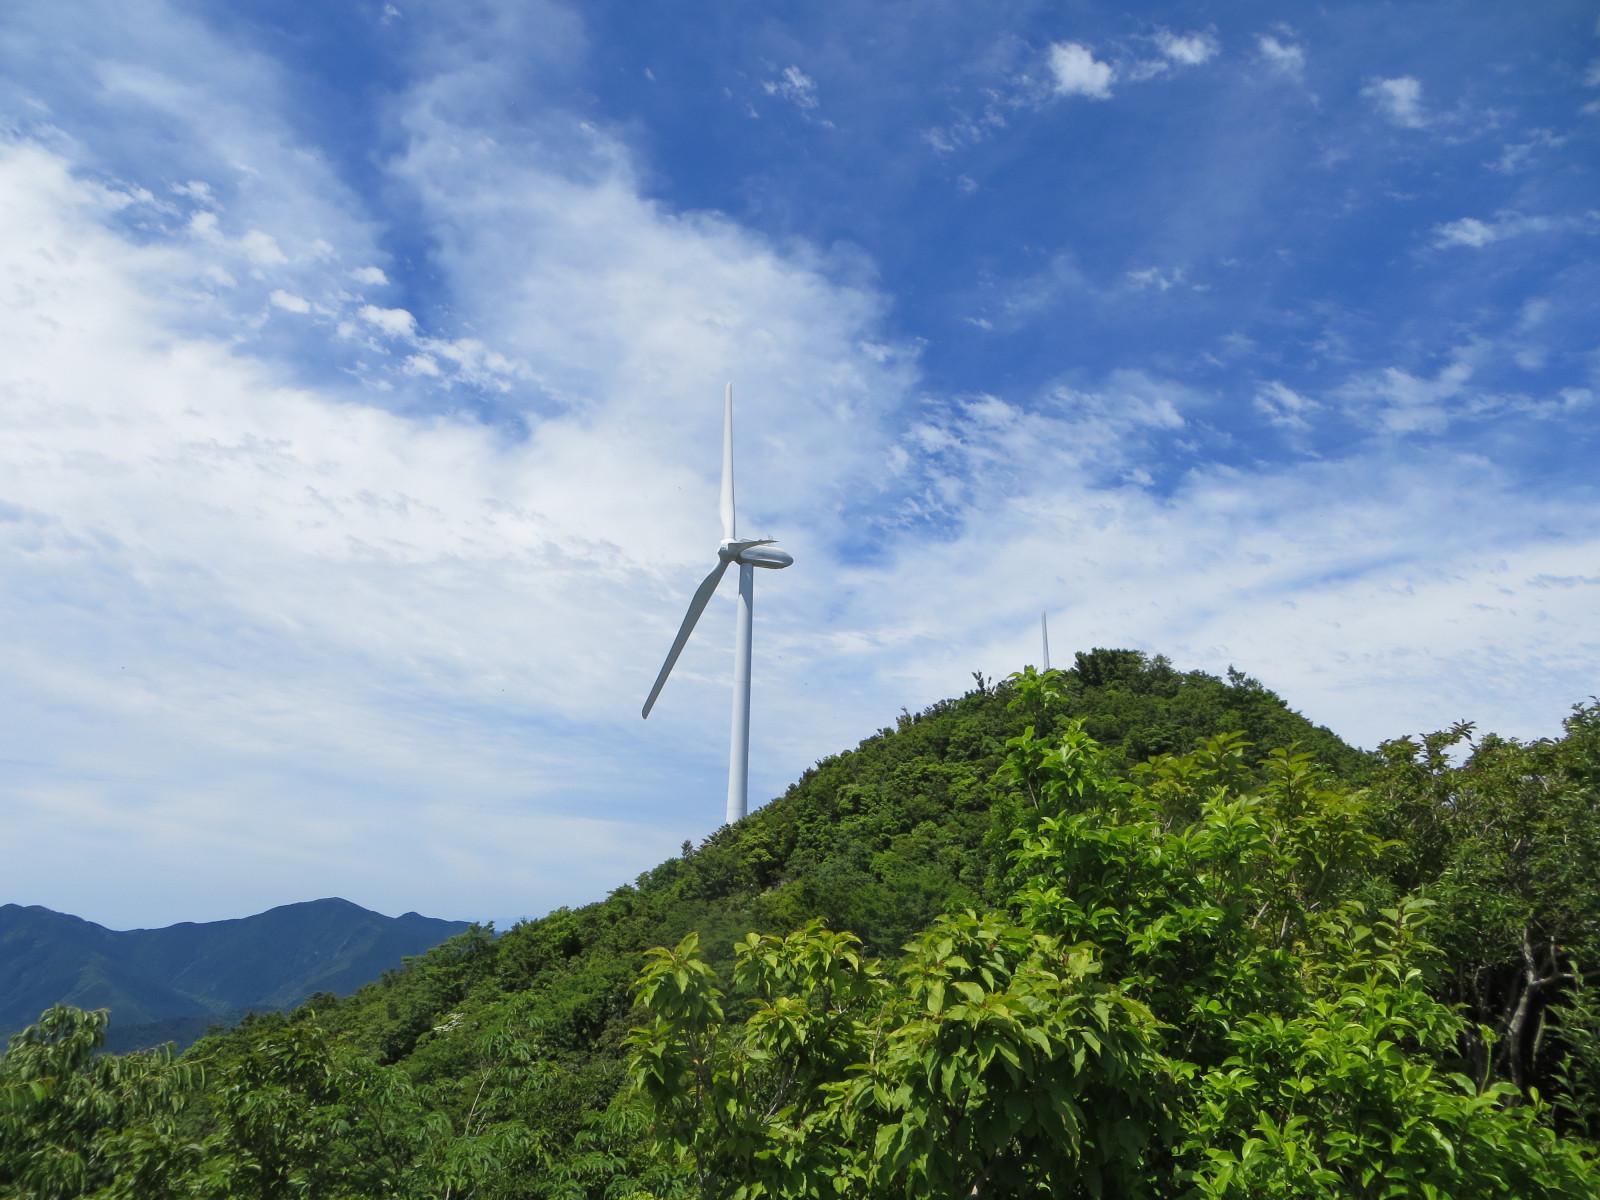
173 983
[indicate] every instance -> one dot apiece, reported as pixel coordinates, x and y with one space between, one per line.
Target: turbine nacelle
756 552
769 557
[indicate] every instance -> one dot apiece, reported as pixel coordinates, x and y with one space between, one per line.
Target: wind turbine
1044 632
749 553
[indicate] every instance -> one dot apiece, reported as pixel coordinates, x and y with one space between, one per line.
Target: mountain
177 981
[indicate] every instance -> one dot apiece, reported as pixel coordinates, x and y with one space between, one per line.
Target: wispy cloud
1399 100
303 511
1153 277
1475 234
1305 568
1187 49
1068 68
289 302
1174 51
965 130
1400 402
795 86
1520 156
1284 406
1282 54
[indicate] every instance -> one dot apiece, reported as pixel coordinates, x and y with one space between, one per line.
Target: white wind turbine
749 553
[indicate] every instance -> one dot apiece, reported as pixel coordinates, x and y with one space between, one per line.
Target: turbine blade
702 597
727 465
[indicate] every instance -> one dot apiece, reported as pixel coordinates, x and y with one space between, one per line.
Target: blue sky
360 370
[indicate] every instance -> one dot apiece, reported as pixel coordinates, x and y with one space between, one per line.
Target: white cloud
289 302
195 190
1534 314
1189 49
1399 99
1470 231
1519 156
474 362
262 249
1153 277
1077 72
161 461
1286 57
166 89
1591 77
254 246
1282 405
795 86
966 130
371 276
1061 276
1376 625
370 580
630 315
394 322
1400 402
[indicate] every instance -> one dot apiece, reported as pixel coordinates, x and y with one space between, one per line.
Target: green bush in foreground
1199 987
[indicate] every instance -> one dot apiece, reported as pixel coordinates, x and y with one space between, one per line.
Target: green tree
1508 842
301 1116
1201 985
74 1122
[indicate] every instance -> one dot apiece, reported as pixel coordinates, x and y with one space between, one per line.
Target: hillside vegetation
1119 930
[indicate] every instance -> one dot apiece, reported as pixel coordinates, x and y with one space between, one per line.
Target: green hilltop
1113 844
878 840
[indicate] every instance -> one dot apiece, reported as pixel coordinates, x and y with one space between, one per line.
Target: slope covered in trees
1069 970
176 981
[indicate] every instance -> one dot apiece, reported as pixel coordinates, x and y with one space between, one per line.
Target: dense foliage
1103 940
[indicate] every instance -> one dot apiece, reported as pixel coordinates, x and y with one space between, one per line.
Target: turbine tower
1044 632
749 553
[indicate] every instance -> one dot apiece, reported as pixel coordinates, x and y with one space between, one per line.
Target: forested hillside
1118 930
173 983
